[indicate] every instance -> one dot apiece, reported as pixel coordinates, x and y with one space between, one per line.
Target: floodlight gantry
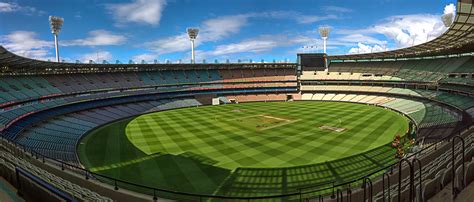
192 33
324 32
56 23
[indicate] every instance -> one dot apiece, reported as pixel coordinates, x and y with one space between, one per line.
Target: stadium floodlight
324 32
192 33
447 19
56 23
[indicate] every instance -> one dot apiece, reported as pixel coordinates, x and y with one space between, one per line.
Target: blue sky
230 29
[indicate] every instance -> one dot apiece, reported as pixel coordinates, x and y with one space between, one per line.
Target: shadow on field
274 181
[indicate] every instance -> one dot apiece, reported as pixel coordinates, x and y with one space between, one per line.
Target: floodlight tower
324 32
56 23
192 33
447 19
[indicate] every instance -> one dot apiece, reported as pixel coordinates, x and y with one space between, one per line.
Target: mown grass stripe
284 156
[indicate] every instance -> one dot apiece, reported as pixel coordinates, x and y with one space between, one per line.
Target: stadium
386 126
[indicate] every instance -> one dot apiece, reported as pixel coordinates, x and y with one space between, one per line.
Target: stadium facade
46 108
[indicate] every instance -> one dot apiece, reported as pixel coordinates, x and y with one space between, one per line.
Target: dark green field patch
174 173
108 145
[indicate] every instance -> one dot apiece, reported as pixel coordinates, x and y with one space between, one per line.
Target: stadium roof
459 38
11 64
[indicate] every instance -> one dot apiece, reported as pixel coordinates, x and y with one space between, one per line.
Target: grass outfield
245 149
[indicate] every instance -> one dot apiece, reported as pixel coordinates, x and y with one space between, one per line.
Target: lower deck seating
78 192
426 114
437 173
461 101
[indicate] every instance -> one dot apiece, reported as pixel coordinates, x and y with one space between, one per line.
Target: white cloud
252 46
14 7
139 11
450 8
211 30
7 7
149 58
26 44
97 57
337 9
363 48
356 38
409 30
255 45
219 28
333 42
303 39
171 44
296 16
249 48
313 44
232 50
403 30
98 38
307 19
222 27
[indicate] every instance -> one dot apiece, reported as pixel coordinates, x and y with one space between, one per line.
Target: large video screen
312 61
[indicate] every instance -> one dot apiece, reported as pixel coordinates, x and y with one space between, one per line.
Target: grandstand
64 127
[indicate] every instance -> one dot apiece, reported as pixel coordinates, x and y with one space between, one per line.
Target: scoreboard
312 61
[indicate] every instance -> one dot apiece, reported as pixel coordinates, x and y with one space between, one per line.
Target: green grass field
250 149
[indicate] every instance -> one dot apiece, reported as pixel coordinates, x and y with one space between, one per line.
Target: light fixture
56 23
192 33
